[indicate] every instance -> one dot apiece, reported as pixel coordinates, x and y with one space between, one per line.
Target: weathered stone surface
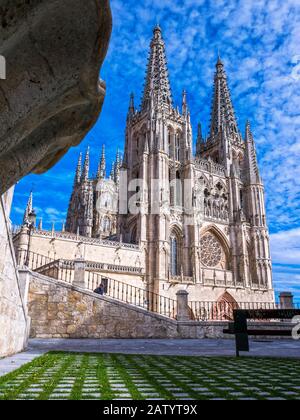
52 95
102 317
14 324
89 316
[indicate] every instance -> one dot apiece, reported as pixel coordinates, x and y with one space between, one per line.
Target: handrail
63 270
133 295
223 311
36 261
33 260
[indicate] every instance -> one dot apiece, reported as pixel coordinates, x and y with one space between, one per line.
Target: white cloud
285 247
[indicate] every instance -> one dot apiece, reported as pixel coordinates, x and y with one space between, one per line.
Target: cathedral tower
157 160
200 220
93 206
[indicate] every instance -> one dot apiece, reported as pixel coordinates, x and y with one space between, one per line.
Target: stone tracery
211 250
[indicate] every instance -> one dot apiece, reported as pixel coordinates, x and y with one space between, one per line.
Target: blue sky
260 45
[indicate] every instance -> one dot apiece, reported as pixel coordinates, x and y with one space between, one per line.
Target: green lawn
73 376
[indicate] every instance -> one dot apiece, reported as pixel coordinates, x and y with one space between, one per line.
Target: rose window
211 251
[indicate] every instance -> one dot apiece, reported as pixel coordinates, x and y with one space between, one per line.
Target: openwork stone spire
102 165
78 170
86 169
29 208
200 140
223 115
157 85
131 109
112 172
251 164
117 168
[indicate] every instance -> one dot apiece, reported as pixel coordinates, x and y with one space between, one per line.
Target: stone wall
66 247
60 310
13 316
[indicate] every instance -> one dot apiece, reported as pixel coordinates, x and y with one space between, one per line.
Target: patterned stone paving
59 376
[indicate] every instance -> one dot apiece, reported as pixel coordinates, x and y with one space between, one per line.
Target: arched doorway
224 307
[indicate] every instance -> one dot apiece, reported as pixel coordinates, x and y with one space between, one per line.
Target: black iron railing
133 295
223 311
64 270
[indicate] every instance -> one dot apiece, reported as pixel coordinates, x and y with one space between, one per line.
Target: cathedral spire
86 169
200 140
157 84
102 165
117 168
131 109
29 215
112 172
251 165
78 170
29 208
184 103
223 114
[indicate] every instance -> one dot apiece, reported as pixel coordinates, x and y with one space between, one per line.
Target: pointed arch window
177 147
170 144
242 199
174 256
134 235
213 252
178 191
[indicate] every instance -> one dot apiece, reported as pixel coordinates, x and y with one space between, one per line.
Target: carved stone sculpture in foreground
52 95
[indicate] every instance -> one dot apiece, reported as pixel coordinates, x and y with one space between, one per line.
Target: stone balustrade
218 278
210 166
62 265
182 279
77 238
222 278
113 267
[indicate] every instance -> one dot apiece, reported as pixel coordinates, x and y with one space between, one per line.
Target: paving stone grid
59 376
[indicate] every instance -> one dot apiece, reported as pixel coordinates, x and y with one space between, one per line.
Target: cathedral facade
190 220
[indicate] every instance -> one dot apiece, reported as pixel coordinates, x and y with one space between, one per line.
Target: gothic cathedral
194 220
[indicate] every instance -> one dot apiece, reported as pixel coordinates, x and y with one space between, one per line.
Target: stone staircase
90 274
